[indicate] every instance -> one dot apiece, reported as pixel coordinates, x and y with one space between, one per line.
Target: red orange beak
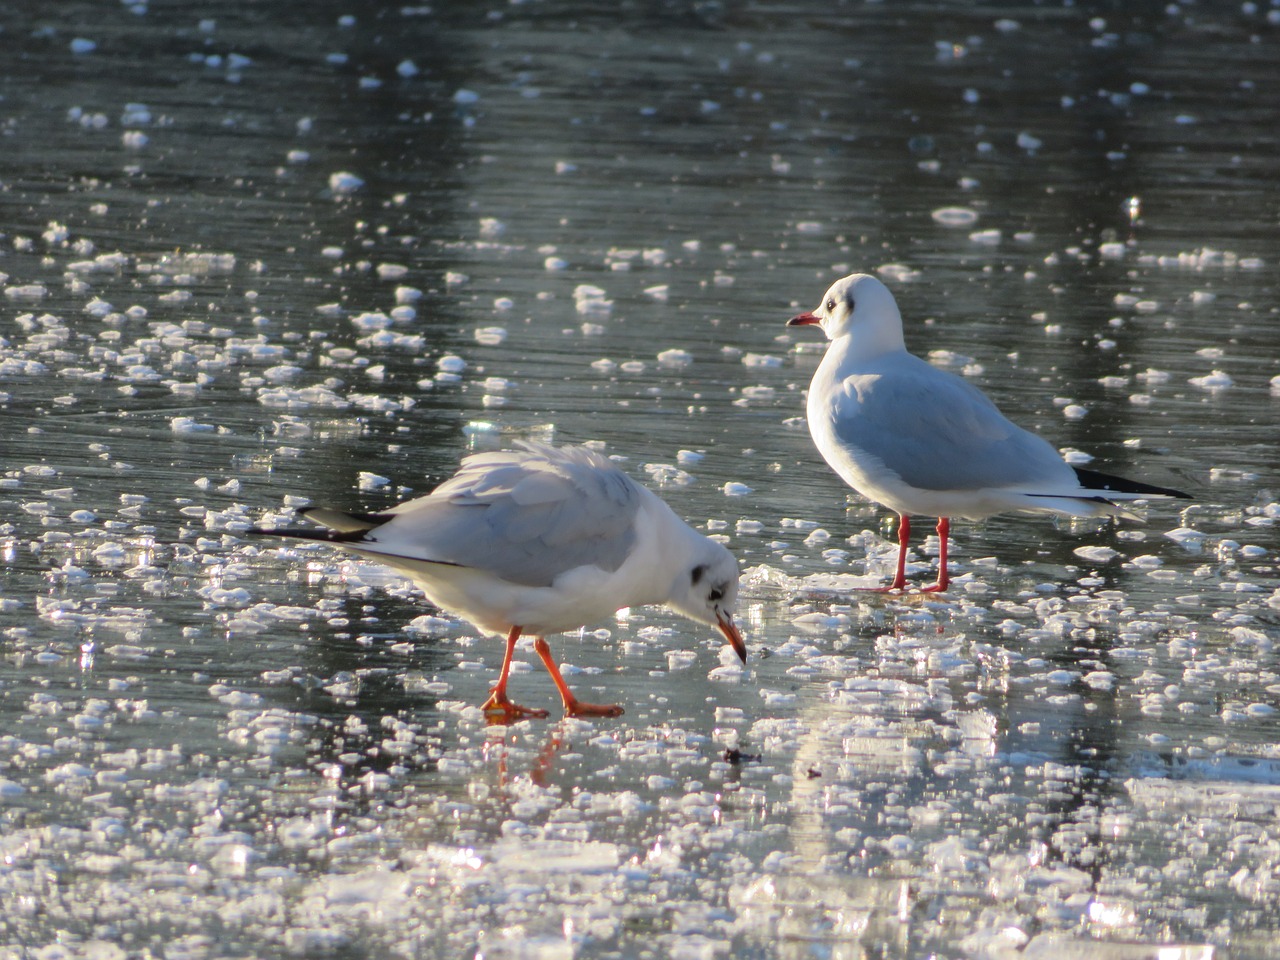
733 635
803 320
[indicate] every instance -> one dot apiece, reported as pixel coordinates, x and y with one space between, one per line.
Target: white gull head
862 308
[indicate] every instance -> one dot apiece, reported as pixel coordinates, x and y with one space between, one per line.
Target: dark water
213 747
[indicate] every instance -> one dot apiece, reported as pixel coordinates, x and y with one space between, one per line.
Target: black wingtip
324 515
320 535
299 533
336 526
1093 480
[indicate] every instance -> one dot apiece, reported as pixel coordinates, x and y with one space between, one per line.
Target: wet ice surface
317 258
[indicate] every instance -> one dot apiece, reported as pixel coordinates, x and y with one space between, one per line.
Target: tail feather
342 526
306 533
344 521
1104 483
354 541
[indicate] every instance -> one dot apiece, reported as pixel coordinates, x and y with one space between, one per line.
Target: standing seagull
542 540
923 441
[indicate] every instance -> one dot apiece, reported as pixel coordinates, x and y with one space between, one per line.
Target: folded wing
937 432
525 515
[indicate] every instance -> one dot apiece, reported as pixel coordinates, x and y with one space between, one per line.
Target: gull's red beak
803 320
733 635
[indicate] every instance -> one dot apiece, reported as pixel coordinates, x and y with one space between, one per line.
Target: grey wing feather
525 517
938 432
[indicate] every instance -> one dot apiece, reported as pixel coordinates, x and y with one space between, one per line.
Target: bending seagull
920 440
541 540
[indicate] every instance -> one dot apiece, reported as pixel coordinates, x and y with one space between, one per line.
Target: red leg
904 537
499 707
944 579
573 707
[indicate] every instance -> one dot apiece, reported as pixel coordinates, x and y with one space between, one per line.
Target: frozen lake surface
255 257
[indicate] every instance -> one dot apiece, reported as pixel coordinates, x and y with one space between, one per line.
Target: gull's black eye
698 573
831 303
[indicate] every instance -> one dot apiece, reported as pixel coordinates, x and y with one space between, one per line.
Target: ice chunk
1213 382
955 216
590 301
1096 554
189 425
343 183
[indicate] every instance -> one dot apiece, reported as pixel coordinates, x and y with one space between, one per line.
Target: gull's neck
662 536
864 343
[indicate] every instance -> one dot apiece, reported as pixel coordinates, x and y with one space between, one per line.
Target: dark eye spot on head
698 573
831 304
